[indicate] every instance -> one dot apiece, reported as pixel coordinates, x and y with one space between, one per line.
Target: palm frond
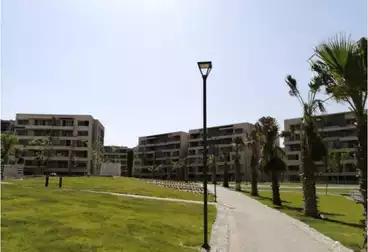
317 105
335 52
291 82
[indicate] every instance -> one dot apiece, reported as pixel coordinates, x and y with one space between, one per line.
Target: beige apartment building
76 141
117 154
221 144
159 150
338 133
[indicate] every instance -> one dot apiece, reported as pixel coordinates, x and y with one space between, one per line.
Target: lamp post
205 68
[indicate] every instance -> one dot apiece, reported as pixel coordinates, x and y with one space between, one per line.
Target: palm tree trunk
213 171
362 166
309 183
226 175
276 200
237 171
185 173
254 181
169 173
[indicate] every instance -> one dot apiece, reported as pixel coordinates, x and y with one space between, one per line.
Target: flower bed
178 185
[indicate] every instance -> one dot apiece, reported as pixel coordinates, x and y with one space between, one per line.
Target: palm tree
342 65
212 164
239 142
334 162
253 143
176 168
169 164
184 166
272 155
224 156
312 146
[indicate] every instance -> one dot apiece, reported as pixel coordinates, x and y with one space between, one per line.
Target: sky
133 64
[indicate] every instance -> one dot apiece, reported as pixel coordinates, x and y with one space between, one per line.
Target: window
80 143
23 141
82 154
22 132
82 133
239 131
293 157
68 122
22 122
67 133
83 123
295 147
293 168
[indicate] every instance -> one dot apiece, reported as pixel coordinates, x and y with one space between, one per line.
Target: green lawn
117 185
341 216
40 219
296 187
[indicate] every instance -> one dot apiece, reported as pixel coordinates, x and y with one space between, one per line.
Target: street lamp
205 69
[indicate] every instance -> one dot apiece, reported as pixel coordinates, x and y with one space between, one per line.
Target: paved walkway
254 227
147 197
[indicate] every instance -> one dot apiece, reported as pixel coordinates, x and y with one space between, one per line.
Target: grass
117 185
341 216
52 219
296 187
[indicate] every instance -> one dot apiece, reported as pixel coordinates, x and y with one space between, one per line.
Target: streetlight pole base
206 247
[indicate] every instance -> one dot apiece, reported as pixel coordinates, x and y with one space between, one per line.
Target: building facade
338 133
7 126
73 143
117 154
221 144
161 151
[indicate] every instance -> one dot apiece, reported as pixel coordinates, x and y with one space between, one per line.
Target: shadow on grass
300 209
343 223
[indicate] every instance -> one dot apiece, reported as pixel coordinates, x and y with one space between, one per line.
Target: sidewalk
254 227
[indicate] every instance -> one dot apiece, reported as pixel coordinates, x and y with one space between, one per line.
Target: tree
98 156
224 156
253 143
8 149
184 167
212 164
342 65
272 160
176 168
153 169
169 164
42 151
312 146
8 146
130 158
239 142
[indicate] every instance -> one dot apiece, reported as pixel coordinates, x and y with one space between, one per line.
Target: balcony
290 142
349 138
335 128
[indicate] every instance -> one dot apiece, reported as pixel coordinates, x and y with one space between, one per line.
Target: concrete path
254 227
149 197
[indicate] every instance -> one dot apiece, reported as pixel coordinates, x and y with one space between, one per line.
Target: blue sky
132 64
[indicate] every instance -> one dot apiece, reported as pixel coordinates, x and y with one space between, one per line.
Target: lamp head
205 67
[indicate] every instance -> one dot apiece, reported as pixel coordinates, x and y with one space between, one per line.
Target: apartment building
7 126
338 133
117 154
159 150
221 144
75 142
